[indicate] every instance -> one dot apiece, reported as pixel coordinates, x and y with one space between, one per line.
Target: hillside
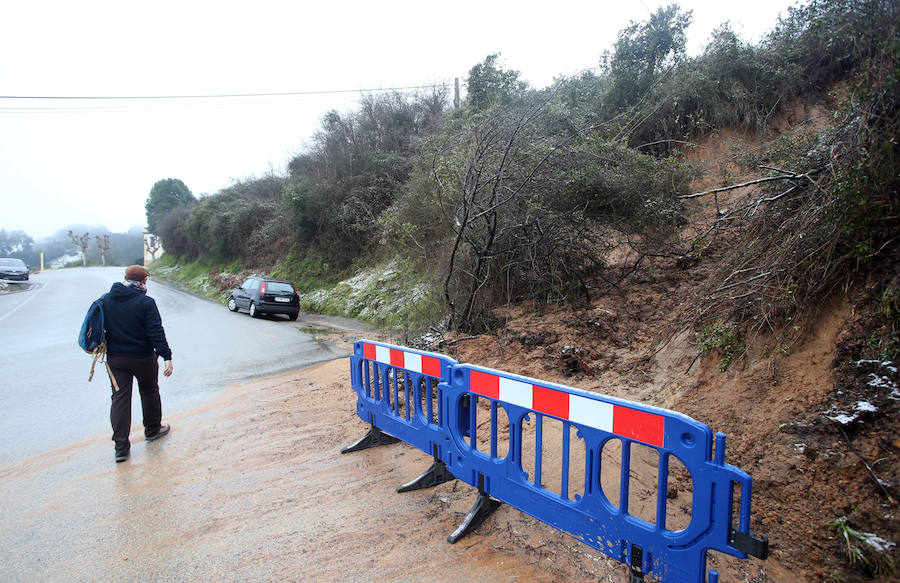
776 401
714 234
776 406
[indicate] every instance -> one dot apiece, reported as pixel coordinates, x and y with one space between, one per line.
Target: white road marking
28 299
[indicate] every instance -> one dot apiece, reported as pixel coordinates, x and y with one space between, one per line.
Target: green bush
864 549
723 337
734 84
524 193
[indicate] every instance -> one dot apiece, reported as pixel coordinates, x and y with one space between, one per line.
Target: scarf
140 286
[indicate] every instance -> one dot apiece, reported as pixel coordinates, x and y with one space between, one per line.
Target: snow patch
882 363
866 406
843 418
882 381
877 543
376 294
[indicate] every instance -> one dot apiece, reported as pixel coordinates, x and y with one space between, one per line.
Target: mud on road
253 487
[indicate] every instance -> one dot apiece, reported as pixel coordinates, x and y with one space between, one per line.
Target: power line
220 95
66 104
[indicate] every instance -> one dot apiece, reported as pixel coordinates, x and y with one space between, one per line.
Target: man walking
135 339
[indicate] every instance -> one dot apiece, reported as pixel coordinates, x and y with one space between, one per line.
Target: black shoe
122 454
163 431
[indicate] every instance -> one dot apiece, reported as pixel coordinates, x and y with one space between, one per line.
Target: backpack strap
100 354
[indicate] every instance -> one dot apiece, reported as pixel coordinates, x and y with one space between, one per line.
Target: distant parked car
13 269
265 295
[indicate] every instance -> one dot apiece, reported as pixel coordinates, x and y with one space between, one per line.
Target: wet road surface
252 487
45 395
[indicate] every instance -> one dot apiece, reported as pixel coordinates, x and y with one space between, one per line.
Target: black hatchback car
265 295
12 269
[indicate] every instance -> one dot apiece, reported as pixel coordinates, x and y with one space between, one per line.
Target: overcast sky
93 162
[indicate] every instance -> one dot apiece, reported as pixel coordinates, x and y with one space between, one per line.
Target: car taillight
295 289
262 289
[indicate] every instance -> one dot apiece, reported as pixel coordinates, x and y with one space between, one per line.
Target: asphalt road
46 399
252 487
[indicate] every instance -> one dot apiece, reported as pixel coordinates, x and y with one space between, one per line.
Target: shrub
865 549
828 213
723 337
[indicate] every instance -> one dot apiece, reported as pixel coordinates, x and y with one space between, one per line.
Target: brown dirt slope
777 403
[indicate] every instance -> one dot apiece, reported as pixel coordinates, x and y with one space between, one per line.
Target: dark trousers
125 370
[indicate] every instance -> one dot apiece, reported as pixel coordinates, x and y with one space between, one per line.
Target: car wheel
232 305
293 317
253 312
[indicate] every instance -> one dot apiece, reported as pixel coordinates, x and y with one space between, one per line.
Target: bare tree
103 246
490 175
82 242
152 246
535 199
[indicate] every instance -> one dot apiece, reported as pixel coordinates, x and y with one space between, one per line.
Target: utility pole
456 93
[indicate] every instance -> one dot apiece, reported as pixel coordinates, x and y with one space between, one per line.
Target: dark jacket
133 325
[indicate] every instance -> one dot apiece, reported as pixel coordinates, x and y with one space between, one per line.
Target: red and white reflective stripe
631 423
403 359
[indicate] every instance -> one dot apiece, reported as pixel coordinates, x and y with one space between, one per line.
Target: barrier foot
636 572
373 438
752 545
484 507
436 474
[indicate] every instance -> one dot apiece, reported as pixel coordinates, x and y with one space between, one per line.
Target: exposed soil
774 408
814 422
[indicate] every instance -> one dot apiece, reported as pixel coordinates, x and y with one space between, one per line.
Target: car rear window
277 287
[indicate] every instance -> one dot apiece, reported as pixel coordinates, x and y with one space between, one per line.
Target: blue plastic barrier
396 393
649 547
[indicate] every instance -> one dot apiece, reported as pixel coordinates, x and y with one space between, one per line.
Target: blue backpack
93 334
92 338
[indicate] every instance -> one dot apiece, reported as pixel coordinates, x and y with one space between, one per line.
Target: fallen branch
690 366
682 142
452 342
785 176
865 463
755 205
726 216
733 187
740 283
